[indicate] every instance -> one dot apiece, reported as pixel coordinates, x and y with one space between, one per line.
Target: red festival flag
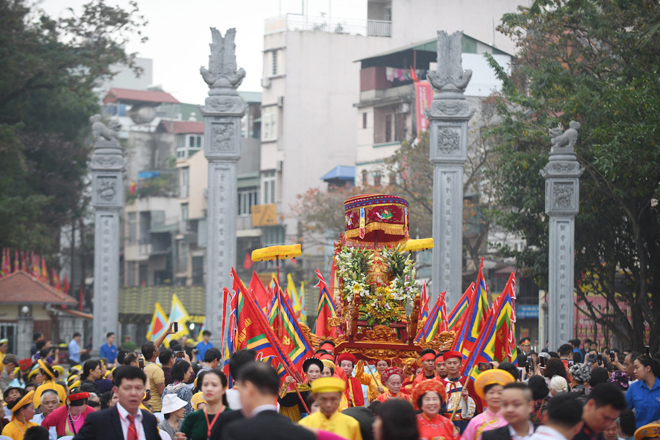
325 311
258 291
477 316
66 283
457 315
247 262
496 341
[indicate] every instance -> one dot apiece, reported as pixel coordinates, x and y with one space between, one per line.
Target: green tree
588 60
50 67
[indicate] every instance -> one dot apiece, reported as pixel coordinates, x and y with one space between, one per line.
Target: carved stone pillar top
449 79
107 166
223 75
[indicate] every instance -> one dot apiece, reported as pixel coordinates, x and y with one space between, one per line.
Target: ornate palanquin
375 280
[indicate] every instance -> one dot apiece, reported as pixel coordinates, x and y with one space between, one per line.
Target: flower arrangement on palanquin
376 276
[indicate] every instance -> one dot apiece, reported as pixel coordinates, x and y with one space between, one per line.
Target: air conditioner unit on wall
280 165
280 101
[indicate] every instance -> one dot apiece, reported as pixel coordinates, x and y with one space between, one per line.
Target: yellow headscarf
196 399
25 401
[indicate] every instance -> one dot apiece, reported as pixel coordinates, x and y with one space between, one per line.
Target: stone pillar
448 118
107 199
562 203
222 147
24 331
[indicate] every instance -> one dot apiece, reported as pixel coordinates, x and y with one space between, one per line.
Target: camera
141 363
612 354
543 360
648 350
178 354
175 327
483 366
600 359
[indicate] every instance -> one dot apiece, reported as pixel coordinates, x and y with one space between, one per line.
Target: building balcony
348 26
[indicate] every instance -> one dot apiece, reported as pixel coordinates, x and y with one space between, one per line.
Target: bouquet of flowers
352 265
382 309
402 273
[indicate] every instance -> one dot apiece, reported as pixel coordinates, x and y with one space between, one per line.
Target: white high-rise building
311 81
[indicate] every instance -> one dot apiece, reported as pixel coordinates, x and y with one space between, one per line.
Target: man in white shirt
564 419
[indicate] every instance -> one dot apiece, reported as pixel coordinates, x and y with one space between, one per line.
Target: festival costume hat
440 359
25 401
33 372
347 357
452 355
492 377
327 346
391 371
328 363
47 369
59 369
74 385
427 386
651 430
328 385
196 399
75 394
312 361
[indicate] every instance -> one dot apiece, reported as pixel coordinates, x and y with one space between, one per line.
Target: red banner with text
423 99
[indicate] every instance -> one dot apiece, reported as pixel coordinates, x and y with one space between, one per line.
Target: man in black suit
126 421
259 386
517 406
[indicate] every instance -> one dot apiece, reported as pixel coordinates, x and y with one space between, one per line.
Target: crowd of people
181 393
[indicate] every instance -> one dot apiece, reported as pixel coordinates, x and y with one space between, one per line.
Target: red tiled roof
22 288
135 96
179 127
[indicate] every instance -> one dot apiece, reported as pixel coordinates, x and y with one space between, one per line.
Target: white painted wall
320 85
415 20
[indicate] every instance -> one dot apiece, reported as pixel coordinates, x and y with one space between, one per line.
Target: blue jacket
110 353
645 402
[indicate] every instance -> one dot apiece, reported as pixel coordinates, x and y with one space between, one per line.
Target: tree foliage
588 60
50 67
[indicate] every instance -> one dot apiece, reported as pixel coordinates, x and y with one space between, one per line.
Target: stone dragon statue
449 74
567 139
223 72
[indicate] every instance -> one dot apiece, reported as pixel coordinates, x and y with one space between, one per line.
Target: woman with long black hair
644 395
198 425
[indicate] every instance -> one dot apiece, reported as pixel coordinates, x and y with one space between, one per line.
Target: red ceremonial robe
353 391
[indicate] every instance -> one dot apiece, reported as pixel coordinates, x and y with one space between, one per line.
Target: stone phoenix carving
567 139
449 75
223 72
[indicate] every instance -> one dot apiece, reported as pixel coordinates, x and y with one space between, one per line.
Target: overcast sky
179 34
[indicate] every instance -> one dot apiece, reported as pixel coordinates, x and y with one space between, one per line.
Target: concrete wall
417 20
320 82
198 167
318 108
148 151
